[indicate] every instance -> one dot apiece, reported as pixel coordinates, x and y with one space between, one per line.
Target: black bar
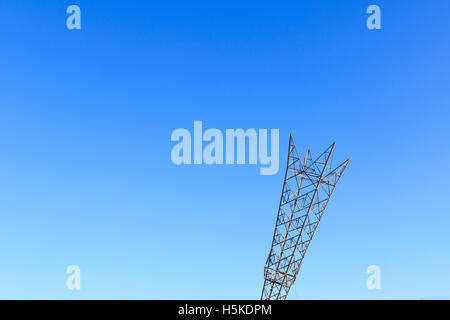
229 309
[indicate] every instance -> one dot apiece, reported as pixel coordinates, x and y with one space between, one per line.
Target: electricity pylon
307 188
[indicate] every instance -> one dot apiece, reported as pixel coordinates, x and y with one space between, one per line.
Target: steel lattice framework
307 188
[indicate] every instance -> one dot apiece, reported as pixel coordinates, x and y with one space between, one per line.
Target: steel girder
307 188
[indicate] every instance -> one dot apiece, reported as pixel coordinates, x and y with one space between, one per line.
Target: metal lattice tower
307 188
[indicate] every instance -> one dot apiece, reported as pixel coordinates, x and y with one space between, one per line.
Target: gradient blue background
85 124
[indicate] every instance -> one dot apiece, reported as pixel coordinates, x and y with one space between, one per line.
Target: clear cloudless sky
86 117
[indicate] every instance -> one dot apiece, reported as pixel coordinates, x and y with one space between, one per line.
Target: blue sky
85 124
